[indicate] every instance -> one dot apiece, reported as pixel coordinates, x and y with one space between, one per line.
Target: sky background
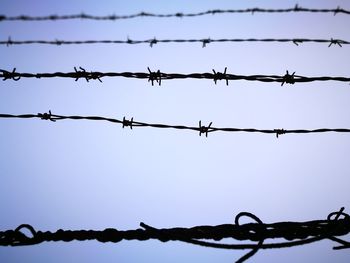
96 175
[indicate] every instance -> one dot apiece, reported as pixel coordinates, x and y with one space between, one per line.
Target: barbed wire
202 129
113 17
158 76
293 234
153 41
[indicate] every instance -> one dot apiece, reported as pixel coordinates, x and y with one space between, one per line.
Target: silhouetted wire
154 41
202 129
114 17
158 76
293 233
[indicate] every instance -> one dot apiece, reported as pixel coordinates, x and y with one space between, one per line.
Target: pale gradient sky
95 175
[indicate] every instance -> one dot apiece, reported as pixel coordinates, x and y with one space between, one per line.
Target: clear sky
96 175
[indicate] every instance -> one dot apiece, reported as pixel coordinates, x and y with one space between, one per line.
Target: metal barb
205 42
204 129
279 132
297 41
94 75
129 41
10 75
254 10
46 116
288 78
9 41
127 122
58 42
154 76
336 11
335 42
153 42
220 76
297 8
80 73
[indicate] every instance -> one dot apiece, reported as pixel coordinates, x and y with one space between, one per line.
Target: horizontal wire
293 233
158 76
154 41
113 17
202 129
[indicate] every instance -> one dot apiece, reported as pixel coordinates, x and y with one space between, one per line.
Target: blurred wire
293 233
158 76
113 17
202 129
154 41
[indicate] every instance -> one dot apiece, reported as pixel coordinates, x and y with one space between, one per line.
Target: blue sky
93 175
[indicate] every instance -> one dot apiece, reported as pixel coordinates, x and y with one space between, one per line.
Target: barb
48 116
279 132
158 76
10 75
294 234
154 76
336 42
204 129
201 129
220 76
87 75
113 17
288 78
151 42
8 43
127 122
205 42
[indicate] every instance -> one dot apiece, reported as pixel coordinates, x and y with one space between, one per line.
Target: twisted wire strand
201 129
151 42
114 17
293 233
158 76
